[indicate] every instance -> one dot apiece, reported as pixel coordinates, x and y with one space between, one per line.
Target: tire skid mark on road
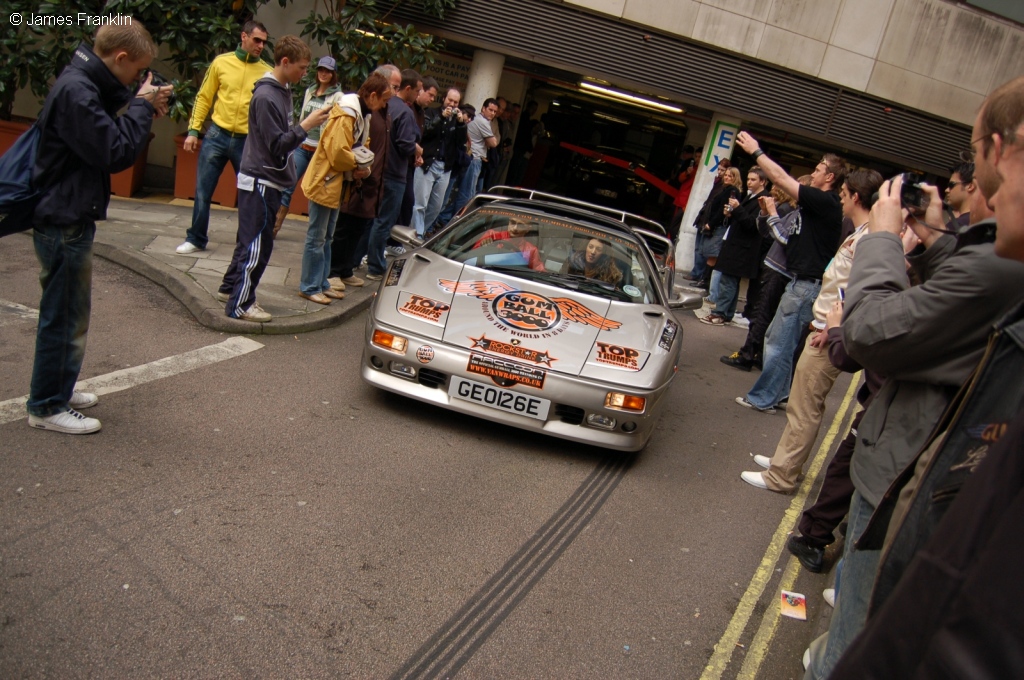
454 644
725 647
14 409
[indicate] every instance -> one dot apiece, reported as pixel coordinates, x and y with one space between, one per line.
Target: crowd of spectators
926 298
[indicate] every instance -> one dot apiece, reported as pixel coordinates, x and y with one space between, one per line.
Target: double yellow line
762 638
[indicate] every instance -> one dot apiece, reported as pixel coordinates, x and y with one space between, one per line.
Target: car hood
503 319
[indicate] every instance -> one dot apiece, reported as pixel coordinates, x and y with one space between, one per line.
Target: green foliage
361 38
194 33
32 56
355 31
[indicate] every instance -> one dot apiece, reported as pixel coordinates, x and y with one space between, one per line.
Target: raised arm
776 174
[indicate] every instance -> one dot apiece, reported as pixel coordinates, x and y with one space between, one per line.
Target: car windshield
568 255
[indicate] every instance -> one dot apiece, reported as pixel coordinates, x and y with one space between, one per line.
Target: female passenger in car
594 263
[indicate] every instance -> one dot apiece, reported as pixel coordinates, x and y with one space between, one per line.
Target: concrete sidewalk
141 234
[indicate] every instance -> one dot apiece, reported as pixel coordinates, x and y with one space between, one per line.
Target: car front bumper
574 400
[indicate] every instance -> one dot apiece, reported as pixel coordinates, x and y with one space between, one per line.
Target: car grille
432 378
569 414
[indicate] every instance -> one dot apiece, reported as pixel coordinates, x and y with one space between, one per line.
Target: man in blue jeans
227 90
481 138
82 143
405 138
807 253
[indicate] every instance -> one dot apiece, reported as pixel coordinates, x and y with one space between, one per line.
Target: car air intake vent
569 414
431 378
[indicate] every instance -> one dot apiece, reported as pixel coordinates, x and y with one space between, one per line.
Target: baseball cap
327 62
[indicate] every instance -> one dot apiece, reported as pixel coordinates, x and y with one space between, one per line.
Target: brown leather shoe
279 219
318 298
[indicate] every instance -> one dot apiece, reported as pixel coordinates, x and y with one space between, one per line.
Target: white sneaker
256 314
763 461
829 594
68 422
742 401
362 262
395 251
223 297
80 400
187 248
754 479
806 658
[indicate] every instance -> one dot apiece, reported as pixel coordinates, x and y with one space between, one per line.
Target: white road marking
21 312
14 409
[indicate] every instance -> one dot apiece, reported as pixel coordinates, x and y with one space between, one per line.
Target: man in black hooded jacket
83 141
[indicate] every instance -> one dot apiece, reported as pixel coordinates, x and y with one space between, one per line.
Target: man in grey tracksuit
267 169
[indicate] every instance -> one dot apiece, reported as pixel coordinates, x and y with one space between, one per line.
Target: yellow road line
727 644
759 645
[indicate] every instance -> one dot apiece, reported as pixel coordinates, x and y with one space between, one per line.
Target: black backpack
18 196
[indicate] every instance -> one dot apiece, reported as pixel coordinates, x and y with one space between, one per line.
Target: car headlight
625 402
394 343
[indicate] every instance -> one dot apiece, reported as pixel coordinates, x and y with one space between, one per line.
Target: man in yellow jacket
331 176
226 89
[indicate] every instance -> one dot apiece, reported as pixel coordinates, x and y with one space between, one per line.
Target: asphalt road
269 515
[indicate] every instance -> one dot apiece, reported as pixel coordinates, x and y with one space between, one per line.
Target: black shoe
736 361
812 558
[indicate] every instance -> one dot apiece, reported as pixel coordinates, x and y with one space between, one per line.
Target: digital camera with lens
160 81
912 196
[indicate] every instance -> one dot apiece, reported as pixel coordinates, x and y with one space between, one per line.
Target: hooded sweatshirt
272 135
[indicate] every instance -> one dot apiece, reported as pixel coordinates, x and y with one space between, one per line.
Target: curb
208 312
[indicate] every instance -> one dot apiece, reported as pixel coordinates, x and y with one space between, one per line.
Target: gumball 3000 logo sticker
527 314
526 311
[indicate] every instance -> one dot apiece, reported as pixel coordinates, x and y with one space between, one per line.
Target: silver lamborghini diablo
535 311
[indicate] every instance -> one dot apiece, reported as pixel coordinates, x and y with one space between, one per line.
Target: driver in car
514 239
594 263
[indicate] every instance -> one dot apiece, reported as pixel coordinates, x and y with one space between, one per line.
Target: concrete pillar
484 77
718 145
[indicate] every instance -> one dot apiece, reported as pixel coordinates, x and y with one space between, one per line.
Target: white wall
931 55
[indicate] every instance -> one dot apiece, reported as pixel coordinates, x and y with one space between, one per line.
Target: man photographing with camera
444 136
926 339
83 141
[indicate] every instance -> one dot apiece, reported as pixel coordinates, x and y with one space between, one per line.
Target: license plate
496 397
607 193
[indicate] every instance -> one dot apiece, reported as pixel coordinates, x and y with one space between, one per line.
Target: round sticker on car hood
425 354
526 311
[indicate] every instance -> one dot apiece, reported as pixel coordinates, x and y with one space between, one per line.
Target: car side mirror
684 300
406 236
